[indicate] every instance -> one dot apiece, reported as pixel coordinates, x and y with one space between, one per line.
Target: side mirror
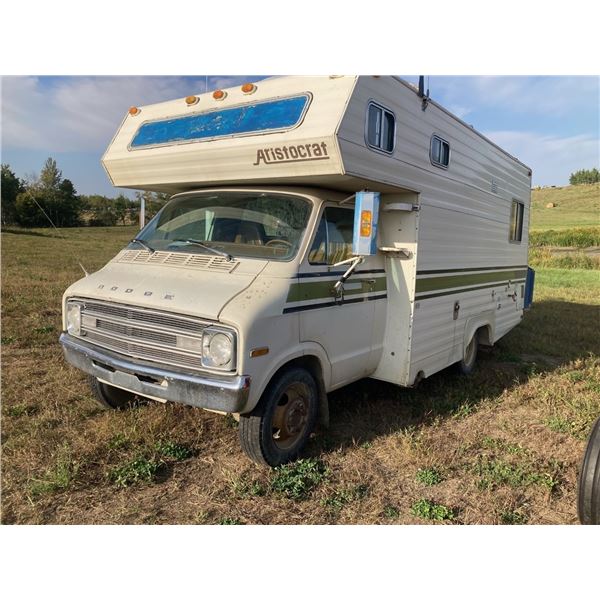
366 217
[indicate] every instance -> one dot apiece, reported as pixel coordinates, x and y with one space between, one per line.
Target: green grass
581 237
297 480
513 517
545 258
136 471
430 511
576 206
58 477
494 473
173 450
555 279
429 476
391 512
229 521
342 497
242 487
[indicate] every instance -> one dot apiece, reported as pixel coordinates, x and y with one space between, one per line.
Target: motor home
321 230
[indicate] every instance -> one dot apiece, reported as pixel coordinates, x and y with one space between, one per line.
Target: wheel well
313 365
484 335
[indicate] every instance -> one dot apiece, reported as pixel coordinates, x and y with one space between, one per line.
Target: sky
550 123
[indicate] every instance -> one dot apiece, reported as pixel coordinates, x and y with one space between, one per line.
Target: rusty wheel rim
290 418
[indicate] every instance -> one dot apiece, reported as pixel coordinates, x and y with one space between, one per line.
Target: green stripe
471 289
433 284
313 290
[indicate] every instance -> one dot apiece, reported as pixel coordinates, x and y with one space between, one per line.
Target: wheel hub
291 415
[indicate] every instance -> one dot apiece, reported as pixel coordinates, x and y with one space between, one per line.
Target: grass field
503 446
575 206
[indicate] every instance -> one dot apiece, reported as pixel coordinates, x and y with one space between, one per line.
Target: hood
175 282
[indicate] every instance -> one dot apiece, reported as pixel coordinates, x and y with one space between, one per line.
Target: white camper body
448 271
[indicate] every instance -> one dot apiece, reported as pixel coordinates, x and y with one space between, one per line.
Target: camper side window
516 221
333 240
381 128
439 152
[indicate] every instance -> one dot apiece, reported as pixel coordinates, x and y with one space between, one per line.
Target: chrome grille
144 334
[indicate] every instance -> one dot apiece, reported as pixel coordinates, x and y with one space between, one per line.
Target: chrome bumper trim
227 395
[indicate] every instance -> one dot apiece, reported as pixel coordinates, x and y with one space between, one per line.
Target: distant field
503 446
576 206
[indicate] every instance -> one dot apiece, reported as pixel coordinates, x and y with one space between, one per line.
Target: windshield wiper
143 244
226 255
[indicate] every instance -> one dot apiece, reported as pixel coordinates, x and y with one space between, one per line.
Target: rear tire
467 364
276 431
588 504
109 396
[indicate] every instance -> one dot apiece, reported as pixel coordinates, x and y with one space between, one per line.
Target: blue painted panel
250 118
529 285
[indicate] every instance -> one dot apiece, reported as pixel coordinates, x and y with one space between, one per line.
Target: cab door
342 324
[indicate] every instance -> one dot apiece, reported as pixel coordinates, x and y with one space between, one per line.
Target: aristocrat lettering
296 153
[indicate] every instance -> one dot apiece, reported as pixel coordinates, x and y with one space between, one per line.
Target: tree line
585 176
52 197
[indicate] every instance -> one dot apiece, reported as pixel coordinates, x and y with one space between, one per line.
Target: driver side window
333 240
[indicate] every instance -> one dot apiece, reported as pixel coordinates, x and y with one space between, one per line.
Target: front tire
467 364
588 505
109 396
276 431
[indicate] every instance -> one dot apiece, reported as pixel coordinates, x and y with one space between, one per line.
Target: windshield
249 224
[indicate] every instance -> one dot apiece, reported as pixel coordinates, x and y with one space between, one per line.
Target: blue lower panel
529 285
273 115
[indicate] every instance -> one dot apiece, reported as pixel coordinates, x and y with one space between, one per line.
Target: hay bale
550 205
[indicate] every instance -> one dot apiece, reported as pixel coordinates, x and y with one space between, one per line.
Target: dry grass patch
502 446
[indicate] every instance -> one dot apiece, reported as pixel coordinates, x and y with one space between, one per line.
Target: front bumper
206 391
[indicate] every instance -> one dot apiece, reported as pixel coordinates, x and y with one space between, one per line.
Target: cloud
551 96
551 158
71 114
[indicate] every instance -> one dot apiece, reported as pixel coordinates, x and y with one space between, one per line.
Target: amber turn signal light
219 95
134 110
248 88
191 100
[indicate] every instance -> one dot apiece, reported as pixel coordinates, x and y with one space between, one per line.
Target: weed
201 517
493 473
513 517
425 509
229 521
575 376
58 478
559 424
44 329
139 470
581 237
118 441
296 480
502 446
173 450
243 488
429 476
18 410
230 421
9 339
391 512
340 498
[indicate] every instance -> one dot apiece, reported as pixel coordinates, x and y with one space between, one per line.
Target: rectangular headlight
218 349
73 318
